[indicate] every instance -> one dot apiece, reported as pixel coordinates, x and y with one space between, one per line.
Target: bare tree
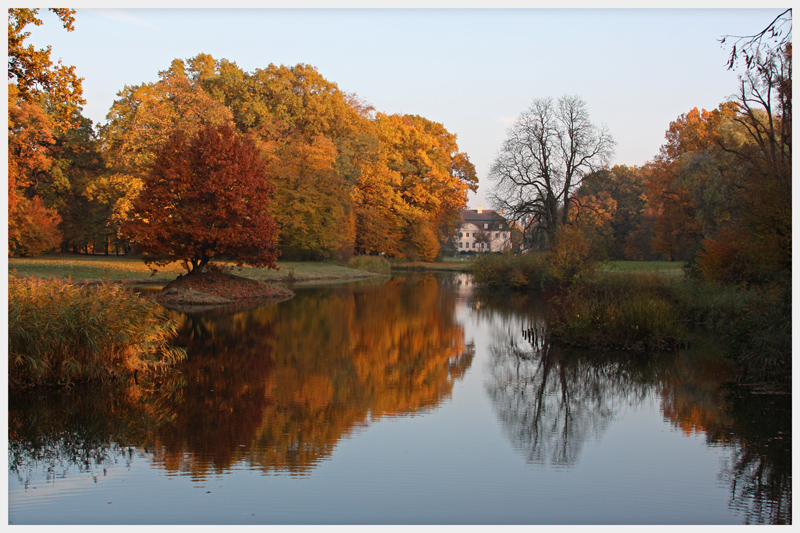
773 39
549 149
764 103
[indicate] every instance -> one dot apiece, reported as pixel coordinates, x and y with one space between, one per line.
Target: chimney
480 210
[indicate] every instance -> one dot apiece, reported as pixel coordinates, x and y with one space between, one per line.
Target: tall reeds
613 311
60 333
755 322
520 272
371 263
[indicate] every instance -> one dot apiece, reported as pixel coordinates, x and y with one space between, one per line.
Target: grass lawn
672 268
99 267
448 264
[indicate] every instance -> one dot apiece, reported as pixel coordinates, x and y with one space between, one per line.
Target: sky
472 70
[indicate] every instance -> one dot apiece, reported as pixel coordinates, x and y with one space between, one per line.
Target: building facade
482 230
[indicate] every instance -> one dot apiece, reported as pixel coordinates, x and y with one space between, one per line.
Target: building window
486 226
461 235
461 245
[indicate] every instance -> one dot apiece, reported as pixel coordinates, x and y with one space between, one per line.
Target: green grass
371 263
447 264
674 268
87 267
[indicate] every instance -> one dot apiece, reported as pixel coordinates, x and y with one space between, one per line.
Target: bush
60 333
754 322
520 272
760 337
371 263
723 259
575 253
617 312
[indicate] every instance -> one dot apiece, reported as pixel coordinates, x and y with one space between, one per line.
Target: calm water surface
414 401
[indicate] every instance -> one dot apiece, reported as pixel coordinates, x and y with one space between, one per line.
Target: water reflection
277 387
274 389
90 430
552 400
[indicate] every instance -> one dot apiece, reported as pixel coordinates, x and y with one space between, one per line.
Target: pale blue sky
473 70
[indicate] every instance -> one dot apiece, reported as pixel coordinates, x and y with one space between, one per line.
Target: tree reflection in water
551 404
551 400
89 429
277 387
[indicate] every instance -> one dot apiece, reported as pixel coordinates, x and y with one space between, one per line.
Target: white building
482 231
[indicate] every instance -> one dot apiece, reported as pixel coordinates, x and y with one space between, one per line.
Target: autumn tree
734 164
542 162
344 177
691 182
764 106
42 100
145 116
206 198
613 202
33 72
430 179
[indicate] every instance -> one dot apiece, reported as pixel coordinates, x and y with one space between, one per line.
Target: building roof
479 217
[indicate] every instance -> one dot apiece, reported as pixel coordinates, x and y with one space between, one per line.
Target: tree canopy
345 179
205 198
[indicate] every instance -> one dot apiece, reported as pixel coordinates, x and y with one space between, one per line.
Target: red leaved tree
206 198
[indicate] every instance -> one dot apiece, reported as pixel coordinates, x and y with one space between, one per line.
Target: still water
419 400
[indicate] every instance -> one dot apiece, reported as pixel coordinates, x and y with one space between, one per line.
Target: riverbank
648 309
132 271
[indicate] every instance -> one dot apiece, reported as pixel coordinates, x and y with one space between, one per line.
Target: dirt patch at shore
218 289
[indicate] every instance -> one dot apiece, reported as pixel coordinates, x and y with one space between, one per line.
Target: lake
417 400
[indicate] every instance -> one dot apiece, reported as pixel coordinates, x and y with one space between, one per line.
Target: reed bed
371 263
755 323
622 311
519 272
60 333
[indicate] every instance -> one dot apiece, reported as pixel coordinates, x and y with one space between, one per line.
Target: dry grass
60 333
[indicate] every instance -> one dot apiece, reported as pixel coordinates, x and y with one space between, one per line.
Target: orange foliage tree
691 181
35 83
206 198
32 227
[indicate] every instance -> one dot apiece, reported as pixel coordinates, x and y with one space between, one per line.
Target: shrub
723 259
60 333
520 272
617 312
575 253
33 228
754 322
371 263
760 337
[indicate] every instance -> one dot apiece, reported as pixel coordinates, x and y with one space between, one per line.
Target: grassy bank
61 333
630 311
671 268
653 306
447 264
130 269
